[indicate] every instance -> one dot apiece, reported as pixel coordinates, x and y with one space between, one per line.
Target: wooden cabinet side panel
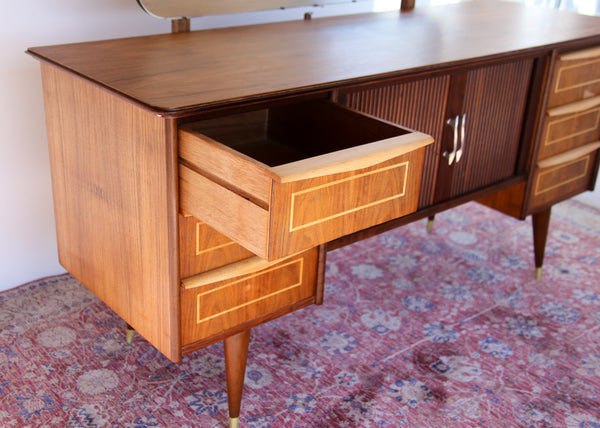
114 187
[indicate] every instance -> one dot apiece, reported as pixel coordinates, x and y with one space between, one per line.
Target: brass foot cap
234 422
130 335
429 225
538 273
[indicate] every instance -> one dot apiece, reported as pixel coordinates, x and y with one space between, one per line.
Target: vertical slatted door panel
495 102
419 105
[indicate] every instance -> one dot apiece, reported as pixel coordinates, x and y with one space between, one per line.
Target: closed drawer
252 290
562 176
576 77
202 248
570 126
286 179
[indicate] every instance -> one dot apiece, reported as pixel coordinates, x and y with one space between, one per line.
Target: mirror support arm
180 25
407 5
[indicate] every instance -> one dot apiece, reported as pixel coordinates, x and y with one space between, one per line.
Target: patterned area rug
441 329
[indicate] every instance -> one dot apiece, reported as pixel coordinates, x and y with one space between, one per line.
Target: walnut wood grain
417 104
576 77
319 210
487 99
541 223
354 171
407 5
509 201
228 212
569 156
180 25
202 248
563 176
222 299
570 126
320 288
115 203
266 61
236 353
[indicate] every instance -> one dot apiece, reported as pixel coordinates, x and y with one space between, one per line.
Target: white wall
27 234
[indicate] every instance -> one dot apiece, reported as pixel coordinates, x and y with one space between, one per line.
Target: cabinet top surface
174 73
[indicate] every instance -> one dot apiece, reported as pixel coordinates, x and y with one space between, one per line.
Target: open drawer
285 179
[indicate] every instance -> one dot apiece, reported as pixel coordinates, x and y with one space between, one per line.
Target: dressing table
200 177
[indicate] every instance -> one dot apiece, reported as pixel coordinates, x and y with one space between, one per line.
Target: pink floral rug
441 329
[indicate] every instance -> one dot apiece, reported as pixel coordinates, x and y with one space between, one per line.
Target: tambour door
417 104
475 117
483 127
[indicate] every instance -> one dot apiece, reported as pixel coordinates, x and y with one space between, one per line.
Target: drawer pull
458 129
579 55
569 156
575 107
351 159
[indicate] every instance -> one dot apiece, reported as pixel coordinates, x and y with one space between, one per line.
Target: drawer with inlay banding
202 248
576 77
564 175
249 291
285 179
570 126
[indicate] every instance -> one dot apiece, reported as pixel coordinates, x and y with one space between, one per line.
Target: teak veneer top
174 73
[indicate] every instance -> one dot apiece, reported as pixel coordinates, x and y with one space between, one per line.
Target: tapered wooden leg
130 334
541 221
430 220
236 352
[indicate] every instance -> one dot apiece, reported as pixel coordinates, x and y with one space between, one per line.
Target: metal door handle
459 152
452 155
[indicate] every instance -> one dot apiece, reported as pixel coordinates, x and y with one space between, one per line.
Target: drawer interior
282 135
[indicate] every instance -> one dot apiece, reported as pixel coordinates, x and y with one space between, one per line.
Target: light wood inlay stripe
419 105
251 302
207 250
584 172
578 84
582 54
293 227
580 131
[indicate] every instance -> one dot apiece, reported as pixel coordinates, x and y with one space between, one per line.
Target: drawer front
247 291
369 173
555 183
310 212
576 77
567 131
202 248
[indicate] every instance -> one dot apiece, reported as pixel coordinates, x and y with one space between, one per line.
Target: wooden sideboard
200 178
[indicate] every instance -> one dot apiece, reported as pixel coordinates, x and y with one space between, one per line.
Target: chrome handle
459 152
452 155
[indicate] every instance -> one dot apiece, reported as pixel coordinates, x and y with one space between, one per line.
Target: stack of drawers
226 286
571 130
279 183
